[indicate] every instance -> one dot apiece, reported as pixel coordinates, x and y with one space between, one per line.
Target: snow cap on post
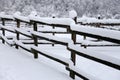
2 14
73 15
98 16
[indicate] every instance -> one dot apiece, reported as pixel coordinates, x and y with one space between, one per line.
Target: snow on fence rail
97 56
97 22
88 43
73 29
6 17
99 33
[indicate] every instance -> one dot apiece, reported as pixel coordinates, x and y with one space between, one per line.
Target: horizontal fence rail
103 34
98 22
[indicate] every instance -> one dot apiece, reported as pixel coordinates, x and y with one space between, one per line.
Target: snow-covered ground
18 65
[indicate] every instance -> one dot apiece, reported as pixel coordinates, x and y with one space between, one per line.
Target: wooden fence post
53 28
17 34
98 24
84 37
73 34
3 31
35 29
73 55
35 40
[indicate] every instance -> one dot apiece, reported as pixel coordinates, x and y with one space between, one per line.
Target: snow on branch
54 21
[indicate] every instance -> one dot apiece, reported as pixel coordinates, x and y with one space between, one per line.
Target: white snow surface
80 71
94 70
16 65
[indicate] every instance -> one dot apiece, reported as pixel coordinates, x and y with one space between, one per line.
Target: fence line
35 35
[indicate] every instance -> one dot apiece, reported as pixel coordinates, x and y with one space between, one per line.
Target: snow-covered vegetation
105 8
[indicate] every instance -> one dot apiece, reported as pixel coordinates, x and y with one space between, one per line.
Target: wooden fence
35 35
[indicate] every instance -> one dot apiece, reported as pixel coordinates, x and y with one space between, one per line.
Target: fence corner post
73 37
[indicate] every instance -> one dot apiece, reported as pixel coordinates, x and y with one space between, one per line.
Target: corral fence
70 44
